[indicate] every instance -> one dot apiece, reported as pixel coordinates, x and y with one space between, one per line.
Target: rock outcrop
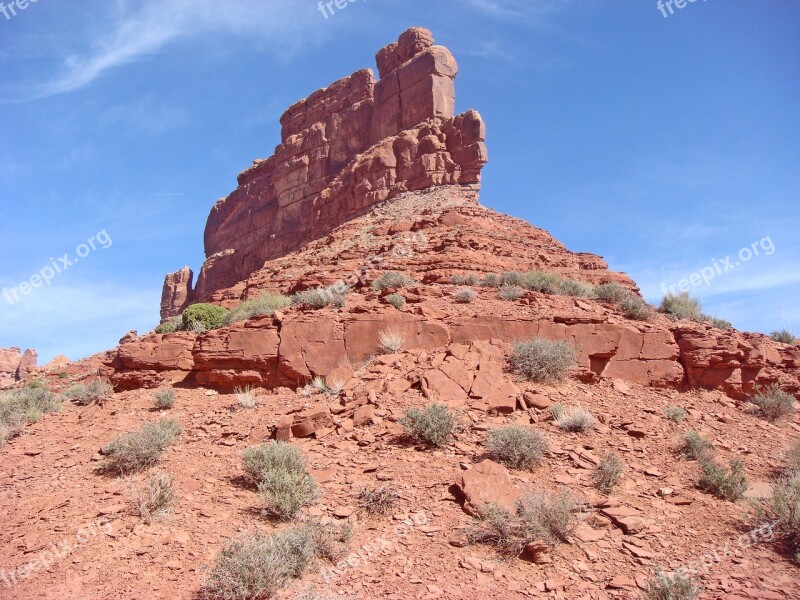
343 149
15 365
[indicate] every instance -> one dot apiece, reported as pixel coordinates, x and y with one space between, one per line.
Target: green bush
274 456
396 300
610 292
718 323
570 287
22 406
491 280
512 293
319 298
170 326
542 281
676 586
723 483
432 425
84 395
774 403
784 336
635 308
391 280
542 360
695 446
140 449
468 279
682 306
265 304
208 316
676 414
164 398
608 473
517 447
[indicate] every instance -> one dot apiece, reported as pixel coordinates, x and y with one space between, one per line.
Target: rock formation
343 149
15 365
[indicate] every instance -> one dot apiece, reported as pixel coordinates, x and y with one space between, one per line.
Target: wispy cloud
141 30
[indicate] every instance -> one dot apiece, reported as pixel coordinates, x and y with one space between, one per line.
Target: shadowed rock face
15 365
343 150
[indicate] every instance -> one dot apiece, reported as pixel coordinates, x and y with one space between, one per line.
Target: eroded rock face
343 149
15 365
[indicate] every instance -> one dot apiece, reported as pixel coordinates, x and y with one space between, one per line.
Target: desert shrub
556 411
675 586
165 398
331 540
432 425
171 325
718 323
208 316
542 360
255 566
784 336
319 298
517 446
610 292
676 414
465 296
723 483
245 396
84 395
782 512
633 307
682 306
774 404
793 456
695 446
468 279
576 419
22 406
542 281
140 449
392 280
390 341
380 501
510 278
570 287
265 304
283 479
491 280
608 473
512 293
154 497
396 300
539 516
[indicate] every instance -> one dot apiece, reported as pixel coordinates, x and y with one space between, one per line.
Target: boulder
484 484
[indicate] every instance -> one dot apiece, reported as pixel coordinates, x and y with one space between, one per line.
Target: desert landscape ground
376 387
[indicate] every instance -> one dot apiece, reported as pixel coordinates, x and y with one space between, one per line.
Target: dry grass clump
782 512
84 395
22 406
511 293
633 307
675 586
539 517
681 306
396 300
245 396
468 279
390 341
610 292
378 501
433 425
391 280
793 456
774 404
695 446
154 498
608 473
517 447
140 449
164 399
727 484
265 304
676 414
465 296
576 419
784 336
543 360
319 298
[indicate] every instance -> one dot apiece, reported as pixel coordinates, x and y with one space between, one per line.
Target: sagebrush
432 425
517 446
140 449
543 360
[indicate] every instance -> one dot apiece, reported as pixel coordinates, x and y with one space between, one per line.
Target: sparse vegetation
245 396
319 298
782 512
391 280
793 456
718 323
208 316
468 279
576 419
140 449
390 341
676 414
608 473
610 292
265 304
571 287
491 280
379 501
171 325
674 586
517 446
542 360
396 300
432 425
681 306
541 281
283 479
723 483
465 296
775 404
783 336
331 540
155 496
556 411
539 516
84 395
633 307
22 406
511 293
695 446
165 399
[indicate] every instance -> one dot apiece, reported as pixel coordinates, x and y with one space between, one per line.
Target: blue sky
663 144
